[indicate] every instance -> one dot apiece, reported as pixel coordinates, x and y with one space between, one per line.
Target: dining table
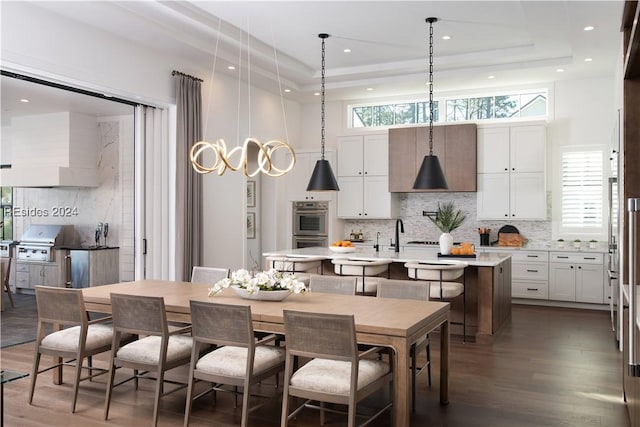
388 322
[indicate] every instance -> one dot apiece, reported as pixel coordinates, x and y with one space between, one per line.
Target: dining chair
443 282
407 289
365 271
337 372
237 359
303 266
210 275
343 285
81 338
6 285
157 350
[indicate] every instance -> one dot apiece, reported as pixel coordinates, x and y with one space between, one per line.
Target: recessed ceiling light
588 59
589 28
25 100
369 88
231 67
347 50
491 77
316 94
560 70
446 37
287 90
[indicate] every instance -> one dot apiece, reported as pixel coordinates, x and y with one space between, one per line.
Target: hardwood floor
547 367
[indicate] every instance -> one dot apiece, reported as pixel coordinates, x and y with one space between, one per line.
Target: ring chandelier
223 160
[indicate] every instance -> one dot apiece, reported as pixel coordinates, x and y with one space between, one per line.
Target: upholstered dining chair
344 285
302 266
157 350
443 278
407 289
337 372
365 271
210 275
237 359
81 338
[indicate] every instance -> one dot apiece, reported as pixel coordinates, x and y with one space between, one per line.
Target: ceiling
492 44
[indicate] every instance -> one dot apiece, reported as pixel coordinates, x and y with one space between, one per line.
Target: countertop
88 248
486 259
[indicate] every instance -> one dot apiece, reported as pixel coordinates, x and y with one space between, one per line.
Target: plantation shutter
582 189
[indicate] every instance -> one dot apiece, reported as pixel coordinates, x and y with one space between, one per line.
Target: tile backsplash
418 227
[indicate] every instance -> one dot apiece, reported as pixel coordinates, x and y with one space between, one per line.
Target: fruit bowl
342 249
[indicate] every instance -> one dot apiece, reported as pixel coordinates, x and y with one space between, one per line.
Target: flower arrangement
263 281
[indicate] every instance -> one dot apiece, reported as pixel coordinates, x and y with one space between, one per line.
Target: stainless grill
40 240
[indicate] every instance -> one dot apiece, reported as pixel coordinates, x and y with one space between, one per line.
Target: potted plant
576 243
447 219
561 243
593 243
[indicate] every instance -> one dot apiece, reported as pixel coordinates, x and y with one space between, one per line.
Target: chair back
221 324
137 314
60 305
343 285
403 289
321 335
211 275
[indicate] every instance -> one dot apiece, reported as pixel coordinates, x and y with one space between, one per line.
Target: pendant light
322 178
430 176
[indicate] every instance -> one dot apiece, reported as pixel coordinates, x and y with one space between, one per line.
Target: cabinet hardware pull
592 258
532 289
563 257
532 271
532 256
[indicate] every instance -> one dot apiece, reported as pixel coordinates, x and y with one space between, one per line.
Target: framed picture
251 225
251 194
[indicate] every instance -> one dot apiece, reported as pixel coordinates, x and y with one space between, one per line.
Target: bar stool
297 264
441 276
366 270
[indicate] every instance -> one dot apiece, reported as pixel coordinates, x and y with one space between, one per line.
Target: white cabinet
363 178
511 172
298 179
576 277
530 274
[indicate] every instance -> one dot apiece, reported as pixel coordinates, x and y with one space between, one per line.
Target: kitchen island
488 283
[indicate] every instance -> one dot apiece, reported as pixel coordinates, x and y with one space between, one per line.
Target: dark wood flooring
548 367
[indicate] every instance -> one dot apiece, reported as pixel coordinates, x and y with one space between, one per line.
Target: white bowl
342 249
262 295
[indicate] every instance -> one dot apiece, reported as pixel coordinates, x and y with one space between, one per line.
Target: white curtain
155 195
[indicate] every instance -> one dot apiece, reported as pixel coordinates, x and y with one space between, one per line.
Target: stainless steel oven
310 218
310 224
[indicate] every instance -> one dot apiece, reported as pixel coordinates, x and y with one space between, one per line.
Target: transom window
495 107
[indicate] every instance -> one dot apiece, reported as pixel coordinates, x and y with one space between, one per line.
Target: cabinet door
350 197
528 196
562 282
402 159
377 199
298 179
527 148
590 283
493 196
23 279
376 155
350 154
493 150
461 157
422 146
36 275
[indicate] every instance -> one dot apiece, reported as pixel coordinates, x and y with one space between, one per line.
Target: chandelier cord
213 74
249 74
430 87
239 87
284 113
322 78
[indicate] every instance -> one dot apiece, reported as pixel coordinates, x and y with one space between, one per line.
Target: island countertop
482 259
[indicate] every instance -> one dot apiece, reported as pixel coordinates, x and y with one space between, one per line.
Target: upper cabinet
511 172
455 146
298 179
363 177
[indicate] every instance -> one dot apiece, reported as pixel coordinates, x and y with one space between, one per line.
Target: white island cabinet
363 177
511 172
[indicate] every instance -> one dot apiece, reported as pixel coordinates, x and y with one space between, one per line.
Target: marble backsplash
418 227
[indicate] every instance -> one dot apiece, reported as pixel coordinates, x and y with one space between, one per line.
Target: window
582 189
388 114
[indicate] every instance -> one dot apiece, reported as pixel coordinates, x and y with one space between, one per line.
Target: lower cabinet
530 275
30 275
576 277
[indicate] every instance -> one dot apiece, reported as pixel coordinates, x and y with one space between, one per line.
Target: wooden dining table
393 323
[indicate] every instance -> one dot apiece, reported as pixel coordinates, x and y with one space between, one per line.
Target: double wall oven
310 224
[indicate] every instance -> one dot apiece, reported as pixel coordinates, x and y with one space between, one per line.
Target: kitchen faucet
377 245
398 231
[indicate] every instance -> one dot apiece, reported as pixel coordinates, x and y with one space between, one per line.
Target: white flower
271 280
218 286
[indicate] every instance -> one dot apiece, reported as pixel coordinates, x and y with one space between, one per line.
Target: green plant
593 241
560 240
577 241
448 218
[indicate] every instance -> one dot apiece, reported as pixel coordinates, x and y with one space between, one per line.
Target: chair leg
156 404
189 402
9 293
107 400
76 382
428 360
414 362
245 403
34 373
322 415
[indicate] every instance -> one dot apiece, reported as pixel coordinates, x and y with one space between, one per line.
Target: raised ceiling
516 42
